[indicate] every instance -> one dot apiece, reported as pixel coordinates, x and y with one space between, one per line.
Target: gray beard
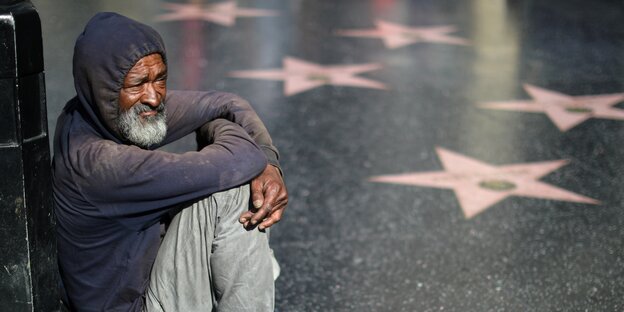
146 131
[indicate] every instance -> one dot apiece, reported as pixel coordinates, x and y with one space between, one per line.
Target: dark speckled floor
409 190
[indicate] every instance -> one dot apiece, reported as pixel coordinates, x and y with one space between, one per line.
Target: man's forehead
143 66
154 59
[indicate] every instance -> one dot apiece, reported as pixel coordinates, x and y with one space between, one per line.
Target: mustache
142 108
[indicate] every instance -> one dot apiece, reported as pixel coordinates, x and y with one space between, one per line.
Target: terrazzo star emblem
396 35
223 13
564 110
299 75
479 185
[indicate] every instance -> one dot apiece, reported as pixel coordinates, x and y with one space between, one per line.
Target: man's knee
233 201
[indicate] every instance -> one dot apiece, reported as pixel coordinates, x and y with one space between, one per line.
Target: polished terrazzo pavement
440 155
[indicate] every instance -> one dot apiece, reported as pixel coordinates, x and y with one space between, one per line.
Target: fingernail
253 222
261 227
257 203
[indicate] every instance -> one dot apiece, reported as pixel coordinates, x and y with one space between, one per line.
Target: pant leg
180 277
241 262
209 262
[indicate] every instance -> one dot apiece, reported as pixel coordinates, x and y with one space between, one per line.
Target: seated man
112 189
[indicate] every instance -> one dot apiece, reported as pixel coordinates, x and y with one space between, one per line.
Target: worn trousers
207 261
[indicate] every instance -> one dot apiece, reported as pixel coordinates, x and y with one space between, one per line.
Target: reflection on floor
565 111
396 35
222 13
299 75
428 96
479 185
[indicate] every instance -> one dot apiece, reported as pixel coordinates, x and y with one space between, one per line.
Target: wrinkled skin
269 197
146 83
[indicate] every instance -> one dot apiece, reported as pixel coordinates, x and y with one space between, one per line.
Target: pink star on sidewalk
223 13
396 35
299 75
564 110
479 185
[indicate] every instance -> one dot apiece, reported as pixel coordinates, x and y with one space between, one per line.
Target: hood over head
105 52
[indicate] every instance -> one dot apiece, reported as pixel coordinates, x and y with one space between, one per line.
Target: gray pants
208 262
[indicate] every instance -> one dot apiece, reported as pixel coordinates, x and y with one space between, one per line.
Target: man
112 188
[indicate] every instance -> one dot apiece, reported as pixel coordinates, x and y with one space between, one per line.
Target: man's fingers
257 193
269 219
260 214
269 201
245 216
269 198
268 193
275 217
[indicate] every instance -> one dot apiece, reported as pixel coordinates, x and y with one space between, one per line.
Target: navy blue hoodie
111 195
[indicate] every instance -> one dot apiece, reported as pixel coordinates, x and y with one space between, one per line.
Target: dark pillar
28 278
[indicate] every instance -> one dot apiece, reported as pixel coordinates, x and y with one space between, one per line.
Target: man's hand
269 198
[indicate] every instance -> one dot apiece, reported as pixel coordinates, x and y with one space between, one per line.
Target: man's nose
150 97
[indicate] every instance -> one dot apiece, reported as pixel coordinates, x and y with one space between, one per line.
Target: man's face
141 110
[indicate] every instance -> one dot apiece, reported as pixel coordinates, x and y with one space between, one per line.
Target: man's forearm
238 110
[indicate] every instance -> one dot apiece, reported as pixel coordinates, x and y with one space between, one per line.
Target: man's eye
135 88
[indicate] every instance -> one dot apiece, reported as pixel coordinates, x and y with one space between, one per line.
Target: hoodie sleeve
137 186
187 111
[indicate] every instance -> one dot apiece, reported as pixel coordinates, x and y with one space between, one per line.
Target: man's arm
136 186
268 192
190 110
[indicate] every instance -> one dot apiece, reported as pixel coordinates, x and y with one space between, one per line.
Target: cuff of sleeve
272 156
